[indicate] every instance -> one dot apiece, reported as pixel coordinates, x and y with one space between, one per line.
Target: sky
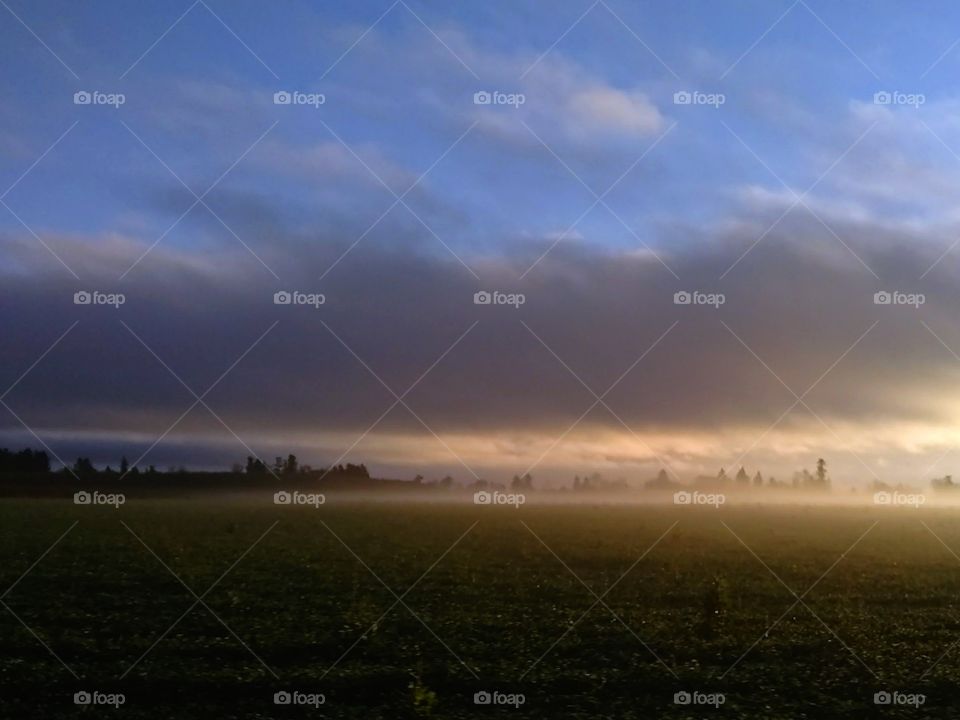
590 164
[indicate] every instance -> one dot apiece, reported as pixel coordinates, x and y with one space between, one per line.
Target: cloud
799 300
570 105
602 109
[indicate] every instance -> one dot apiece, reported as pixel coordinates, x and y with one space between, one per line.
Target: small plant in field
424 699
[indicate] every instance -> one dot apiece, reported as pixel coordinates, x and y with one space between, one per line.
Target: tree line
29 461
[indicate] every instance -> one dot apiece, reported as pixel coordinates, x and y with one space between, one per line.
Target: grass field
502 600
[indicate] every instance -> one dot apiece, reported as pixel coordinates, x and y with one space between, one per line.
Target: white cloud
602 108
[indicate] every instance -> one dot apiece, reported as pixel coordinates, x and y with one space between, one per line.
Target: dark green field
498 612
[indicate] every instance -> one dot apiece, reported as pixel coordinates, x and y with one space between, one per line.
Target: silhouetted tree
83 468
255 466
742 477
944 483
24 461
758 480
822 472
804 478
522 483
